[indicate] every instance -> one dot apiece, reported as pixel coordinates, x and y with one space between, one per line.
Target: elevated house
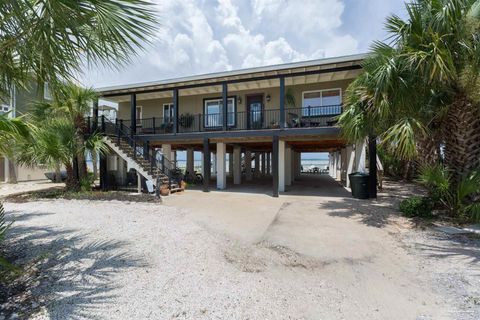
266 115
16 105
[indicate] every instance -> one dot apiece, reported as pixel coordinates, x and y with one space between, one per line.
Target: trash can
359 184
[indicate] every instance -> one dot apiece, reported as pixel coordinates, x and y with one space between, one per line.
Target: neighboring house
18 104
266 115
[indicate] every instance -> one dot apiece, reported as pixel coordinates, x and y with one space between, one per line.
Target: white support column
288 166
230 164
7 169
350 161
221 166
268 164
338 165
298 164
343 166
190 162
281 166
248 165
334 159
264 163
360 156
139 183
214 164
167 152
293 163
330 164
237 165
257 165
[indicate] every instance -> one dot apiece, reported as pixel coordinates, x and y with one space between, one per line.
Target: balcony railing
323 116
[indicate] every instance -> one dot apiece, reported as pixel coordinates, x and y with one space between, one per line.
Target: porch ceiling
312 145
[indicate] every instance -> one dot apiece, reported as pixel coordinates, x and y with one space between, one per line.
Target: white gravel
117 260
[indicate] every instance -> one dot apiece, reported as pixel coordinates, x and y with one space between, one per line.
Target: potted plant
164 190
186 120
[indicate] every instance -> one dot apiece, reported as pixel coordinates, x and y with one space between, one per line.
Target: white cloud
200 36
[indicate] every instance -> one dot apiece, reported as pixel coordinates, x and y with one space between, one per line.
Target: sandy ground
8 189
242 256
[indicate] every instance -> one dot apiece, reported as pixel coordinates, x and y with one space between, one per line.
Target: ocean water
306 163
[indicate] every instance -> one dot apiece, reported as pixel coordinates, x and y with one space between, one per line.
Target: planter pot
183 185
164 191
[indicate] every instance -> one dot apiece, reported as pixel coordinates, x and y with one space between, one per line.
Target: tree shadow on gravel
442 245
374 212
64 271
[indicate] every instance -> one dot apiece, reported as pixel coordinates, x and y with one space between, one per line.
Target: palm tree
421 90
10 131
95 146
51 145
53 39
68 108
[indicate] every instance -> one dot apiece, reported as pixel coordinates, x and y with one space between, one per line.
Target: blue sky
202 36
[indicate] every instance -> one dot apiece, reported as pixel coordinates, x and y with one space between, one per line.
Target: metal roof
226 75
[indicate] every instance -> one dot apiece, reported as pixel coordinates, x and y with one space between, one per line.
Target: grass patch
61 193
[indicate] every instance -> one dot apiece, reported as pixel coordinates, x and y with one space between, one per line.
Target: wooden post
282 102
175 110
372 155
133 114
275 149
95 116
225 105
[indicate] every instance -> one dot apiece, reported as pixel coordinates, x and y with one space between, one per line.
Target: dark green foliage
417 207
186 120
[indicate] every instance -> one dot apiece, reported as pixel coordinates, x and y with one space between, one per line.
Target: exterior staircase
148 168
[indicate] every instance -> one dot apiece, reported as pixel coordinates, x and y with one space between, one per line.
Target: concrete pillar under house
263 166
237 165
221 166
288 166
350 163
257 165
360 156
248 165
190 162
281 166
230 164
167 153
269 159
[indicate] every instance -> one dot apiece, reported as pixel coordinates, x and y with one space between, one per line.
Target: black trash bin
359 184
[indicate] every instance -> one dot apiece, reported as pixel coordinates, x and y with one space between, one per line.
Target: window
46 92
4 108
139 115
168 112
322 102
213 111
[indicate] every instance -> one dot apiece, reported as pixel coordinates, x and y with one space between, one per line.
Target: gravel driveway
120 260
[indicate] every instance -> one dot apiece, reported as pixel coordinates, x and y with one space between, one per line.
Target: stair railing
122 132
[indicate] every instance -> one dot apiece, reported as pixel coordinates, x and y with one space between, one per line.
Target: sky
204 36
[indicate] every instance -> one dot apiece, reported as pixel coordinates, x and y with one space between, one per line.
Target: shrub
416 207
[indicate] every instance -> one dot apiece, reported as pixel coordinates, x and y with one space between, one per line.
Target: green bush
416 207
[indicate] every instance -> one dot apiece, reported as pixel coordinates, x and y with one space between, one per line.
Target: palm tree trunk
95 166
82 163
58 174
462 137
428 147
72 181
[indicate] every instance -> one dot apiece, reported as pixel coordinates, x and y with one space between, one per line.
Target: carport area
267 164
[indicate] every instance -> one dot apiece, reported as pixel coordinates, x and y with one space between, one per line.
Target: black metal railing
312 116
120 131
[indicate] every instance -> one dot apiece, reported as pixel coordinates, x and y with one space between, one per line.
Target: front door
255 111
